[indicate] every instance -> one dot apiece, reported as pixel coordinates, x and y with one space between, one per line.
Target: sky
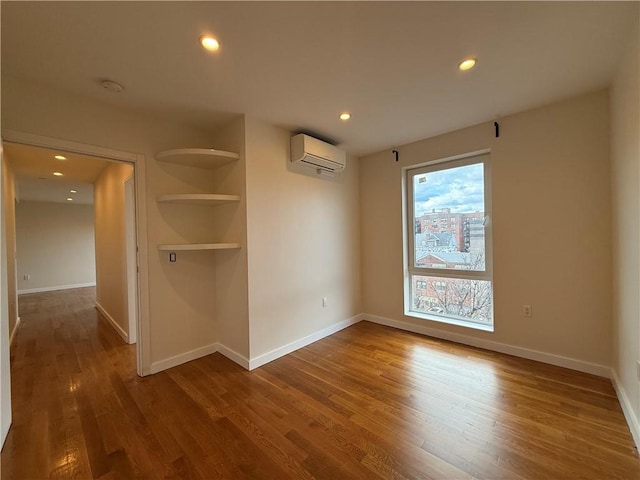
458 188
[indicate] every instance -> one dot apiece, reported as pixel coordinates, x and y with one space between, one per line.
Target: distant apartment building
451 241
467 229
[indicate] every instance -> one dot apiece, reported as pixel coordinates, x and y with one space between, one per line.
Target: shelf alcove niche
206 158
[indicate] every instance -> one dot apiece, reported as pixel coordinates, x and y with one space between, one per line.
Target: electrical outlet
26 277
325 301
526 311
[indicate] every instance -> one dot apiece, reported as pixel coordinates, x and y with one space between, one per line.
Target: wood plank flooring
369 402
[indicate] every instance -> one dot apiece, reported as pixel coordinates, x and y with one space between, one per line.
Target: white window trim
408 240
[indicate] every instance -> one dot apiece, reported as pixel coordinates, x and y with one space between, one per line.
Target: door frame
143 351
5 371
132 257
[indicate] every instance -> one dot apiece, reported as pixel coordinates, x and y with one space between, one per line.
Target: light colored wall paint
303 243
55 245
232 310
110 242
5 370
551 227
9 198
180 307
625 160
131 245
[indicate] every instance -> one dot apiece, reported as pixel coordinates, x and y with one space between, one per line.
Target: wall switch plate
325 301
526 311
26 277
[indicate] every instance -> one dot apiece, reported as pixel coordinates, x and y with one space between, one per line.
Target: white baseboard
303 342
183 358
629 415
56 287
15 329
530 354
241 359
234 356
113 323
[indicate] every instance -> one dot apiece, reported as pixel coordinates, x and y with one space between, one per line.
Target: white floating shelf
199 198
197 157
199 246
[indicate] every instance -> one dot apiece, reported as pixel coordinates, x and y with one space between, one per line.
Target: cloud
461 189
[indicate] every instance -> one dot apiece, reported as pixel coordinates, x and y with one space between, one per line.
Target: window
449 279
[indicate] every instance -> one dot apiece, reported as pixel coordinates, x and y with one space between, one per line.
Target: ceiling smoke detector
111 86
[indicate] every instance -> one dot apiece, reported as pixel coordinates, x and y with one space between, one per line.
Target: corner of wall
627 407
625 176
276 353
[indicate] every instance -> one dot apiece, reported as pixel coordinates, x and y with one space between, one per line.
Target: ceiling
393 65
33 168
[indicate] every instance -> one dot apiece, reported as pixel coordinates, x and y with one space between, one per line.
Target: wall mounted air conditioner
325 158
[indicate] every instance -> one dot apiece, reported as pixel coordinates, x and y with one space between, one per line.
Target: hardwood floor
368 402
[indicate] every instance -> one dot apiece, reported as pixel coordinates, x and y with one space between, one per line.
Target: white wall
625 160
303 243
551 228
110 245
180 308
55 245
5 371
202 299
231 283
9 201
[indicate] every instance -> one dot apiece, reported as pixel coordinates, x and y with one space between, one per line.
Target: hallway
61 359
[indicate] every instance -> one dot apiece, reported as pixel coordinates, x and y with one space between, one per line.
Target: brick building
467 228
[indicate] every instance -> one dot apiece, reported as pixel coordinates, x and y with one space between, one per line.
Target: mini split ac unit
325 158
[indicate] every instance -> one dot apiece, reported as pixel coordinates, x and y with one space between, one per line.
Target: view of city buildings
459 236
449 240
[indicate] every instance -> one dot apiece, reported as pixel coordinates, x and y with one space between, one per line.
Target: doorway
133 216
69 230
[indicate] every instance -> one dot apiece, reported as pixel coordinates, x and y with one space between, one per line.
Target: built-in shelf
198 198
197 157
207 158
199 246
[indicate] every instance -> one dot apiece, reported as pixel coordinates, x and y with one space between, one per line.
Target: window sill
450 321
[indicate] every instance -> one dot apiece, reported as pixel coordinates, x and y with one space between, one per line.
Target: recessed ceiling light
345 116
210 43
57 174
467 63
73 191
60 157
69 199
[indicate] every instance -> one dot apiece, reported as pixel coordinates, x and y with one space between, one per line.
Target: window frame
409 256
